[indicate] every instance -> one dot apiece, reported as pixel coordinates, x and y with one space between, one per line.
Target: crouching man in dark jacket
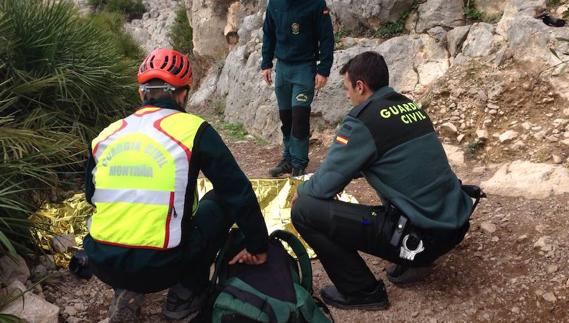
391 142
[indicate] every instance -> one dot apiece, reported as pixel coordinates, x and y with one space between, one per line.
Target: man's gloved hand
244 257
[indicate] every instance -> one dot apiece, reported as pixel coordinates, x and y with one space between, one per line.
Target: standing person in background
299 34
148 231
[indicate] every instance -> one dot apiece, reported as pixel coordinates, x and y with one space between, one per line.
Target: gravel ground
511 267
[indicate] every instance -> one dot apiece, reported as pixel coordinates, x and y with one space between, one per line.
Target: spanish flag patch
342 140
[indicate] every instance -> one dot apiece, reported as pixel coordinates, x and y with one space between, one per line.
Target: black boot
401 275
297 171
182 303
283 167
373 300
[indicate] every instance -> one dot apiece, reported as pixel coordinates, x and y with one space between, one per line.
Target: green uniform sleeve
326 40
269 40
353 148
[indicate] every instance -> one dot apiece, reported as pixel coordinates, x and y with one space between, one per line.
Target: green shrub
473 148
132 9
235 130
181 32
395 28
552 3
472 13
123 41
391 29
63 78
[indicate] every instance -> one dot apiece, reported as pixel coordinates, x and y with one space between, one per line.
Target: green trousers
294 88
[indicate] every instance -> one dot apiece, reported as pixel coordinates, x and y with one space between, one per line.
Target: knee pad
300 122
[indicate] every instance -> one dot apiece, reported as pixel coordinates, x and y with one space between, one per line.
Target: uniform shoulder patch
343 134
326 11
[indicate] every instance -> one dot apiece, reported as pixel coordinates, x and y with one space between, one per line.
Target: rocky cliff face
481 66
152 30
483 81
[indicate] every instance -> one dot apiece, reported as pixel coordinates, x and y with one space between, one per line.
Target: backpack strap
301 255
252 299
220 261
474 192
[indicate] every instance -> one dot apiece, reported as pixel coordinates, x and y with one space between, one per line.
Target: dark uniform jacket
298 31
391 141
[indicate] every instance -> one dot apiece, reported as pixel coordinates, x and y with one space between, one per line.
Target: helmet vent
173 69
165 63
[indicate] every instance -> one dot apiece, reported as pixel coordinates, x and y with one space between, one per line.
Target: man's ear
182 97
141 95
360 87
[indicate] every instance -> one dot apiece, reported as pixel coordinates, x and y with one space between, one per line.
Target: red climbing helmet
168 65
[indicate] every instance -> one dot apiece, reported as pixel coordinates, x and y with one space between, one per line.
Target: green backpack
278 291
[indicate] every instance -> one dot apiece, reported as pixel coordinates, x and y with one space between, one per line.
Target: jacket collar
164 104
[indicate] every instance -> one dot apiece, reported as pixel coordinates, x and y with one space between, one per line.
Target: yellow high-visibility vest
141 176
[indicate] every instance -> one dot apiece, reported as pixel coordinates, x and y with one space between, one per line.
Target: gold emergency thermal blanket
69 217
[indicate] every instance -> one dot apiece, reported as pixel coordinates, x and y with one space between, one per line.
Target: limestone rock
438 33
250 24
206 90
34 308
491 8
448 129
352 13
152 30
414 61
488 227
530 180
13 269
551 269
455 155
508 136
544 244
480 40
208 23
482 134
445 13
550 297
241 85
455 38
522 8
62 243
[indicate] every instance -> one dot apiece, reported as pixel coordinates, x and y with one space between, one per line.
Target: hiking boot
182 302
126 306
401 275
284 167
372 301
297 172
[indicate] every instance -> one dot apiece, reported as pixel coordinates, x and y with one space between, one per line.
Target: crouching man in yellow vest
149 232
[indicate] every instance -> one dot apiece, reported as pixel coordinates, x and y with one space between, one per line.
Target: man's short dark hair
368 67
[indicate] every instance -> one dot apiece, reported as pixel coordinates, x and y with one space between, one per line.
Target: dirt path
517 273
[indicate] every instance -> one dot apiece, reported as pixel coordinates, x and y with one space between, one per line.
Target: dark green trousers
294 88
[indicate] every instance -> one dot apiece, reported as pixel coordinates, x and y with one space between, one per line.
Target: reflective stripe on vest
141 174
